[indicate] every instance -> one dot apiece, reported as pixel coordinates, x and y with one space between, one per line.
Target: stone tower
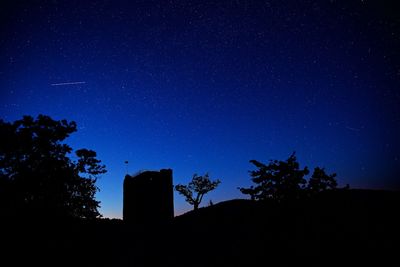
148 197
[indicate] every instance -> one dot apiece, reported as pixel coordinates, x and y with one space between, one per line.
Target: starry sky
206 86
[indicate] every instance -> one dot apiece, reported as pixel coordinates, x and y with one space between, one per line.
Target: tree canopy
321 181
38 176
197 188
284 180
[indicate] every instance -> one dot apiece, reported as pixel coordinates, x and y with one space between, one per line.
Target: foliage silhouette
200 185
321 181
284 180
37 176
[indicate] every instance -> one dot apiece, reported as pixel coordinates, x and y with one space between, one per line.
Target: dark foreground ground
354 227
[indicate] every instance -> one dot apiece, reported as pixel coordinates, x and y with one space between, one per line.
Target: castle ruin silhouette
148 197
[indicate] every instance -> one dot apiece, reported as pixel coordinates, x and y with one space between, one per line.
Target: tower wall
148 197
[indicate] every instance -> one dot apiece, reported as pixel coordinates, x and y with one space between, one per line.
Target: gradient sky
199 87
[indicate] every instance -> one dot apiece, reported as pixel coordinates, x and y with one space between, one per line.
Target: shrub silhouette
200 185
37 177
284 180
279 180
321 181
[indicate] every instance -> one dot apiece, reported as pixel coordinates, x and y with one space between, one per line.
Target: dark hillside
355 226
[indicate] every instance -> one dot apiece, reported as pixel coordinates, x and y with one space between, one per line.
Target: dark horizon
205 87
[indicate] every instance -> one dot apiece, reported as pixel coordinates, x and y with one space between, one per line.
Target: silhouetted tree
278 180
36 174
196 189
321 181
251 191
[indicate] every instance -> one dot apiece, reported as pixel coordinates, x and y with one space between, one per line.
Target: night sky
199 87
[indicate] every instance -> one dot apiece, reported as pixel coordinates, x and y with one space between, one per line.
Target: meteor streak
352 129
67 83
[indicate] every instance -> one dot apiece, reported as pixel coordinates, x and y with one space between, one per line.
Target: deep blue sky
199 87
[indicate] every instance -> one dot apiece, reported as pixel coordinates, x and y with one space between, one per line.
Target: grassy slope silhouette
353 226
